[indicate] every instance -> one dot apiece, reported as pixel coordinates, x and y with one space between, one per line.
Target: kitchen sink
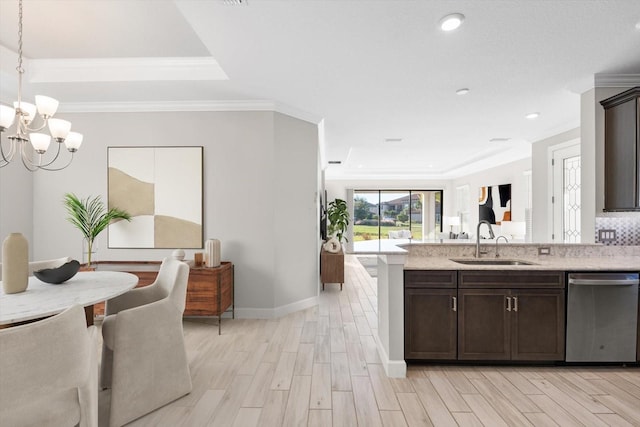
489 261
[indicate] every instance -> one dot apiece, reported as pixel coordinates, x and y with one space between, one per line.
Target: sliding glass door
397 214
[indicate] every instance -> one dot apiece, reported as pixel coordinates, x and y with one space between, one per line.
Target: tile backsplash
627 230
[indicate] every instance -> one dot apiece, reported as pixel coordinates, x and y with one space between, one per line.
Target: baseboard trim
393 368
273 313
283 310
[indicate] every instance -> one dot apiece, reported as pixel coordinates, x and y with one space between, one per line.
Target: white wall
541 175
16 195
296 209
260 182
510 173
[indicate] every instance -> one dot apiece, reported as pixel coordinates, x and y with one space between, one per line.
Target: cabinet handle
508 303
455 303
515 303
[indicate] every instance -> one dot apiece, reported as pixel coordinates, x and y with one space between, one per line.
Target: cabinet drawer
430 278
510 279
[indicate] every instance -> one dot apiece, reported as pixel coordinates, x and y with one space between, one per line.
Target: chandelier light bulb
28 110
7 115
59 129
47 106
73 141
40 142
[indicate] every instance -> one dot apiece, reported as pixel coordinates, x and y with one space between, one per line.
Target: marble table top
42 299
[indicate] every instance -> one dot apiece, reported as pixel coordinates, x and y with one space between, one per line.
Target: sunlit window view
397 214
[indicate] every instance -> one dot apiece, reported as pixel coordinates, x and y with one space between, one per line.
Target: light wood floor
319 367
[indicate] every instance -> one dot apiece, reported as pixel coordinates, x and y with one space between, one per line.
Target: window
396 214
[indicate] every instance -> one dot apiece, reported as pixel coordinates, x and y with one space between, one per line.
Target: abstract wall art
495 203
161 187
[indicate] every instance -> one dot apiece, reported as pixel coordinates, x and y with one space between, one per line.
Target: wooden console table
209 291
331 267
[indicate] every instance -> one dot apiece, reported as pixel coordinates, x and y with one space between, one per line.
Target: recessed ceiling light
497 140
462 91
393 140
532 116
451 21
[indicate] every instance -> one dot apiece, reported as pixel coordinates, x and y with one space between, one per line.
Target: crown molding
165 106
556 130
186 106
616 80
75 70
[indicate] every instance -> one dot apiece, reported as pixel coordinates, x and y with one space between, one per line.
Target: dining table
42 299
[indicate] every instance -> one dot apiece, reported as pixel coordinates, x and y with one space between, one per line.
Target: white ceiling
371 70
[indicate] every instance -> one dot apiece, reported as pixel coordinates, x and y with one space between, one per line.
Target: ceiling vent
235 2
334 162
391 140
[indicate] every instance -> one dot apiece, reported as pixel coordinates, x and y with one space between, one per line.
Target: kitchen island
393 260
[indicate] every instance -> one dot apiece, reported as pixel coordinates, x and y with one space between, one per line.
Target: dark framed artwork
495 203
323 216
161 188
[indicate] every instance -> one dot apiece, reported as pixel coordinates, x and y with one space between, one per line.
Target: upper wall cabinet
622 151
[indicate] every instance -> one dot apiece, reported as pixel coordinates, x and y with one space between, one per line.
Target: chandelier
27 140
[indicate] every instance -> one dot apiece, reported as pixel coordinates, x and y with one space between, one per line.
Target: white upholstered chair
49 372
144 360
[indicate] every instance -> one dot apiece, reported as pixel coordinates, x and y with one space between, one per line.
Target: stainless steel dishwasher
602 317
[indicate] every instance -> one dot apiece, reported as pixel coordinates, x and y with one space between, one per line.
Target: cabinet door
483 324
621 156
430 323
537 324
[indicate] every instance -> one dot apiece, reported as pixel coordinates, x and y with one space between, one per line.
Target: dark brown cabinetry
430 310
511 324
484 315
331 267
622 151
511 315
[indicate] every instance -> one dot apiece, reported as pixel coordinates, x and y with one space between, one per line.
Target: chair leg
106 367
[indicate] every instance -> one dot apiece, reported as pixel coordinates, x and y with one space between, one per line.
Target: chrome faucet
505 240
491 235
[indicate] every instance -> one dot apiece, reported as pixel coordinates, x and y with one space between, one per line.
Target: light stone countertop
562 257
623 263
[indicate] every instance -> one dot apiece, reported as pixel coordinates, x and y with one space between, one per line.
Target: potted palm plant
91 217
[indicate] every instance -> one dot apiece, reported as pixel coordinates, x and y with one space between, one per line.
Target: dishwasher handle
603 282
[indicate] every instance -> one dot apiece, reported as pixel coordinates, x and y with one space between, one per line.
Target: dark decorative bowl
58 275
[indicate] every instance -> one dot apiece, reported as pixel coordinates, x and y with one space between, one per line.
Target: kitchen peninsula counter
622 263
396 257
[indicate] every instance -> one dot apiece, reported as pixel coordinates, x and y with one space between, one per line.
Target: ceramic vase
178 254
212 255
15 264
